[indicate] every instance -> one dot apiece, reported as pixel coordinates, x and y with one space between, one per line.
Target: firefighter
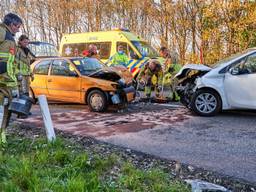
120 57
8 82
171 68
151 69
24 57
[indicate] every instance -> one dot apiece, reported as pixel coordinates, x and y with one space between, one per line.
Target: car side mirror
234 71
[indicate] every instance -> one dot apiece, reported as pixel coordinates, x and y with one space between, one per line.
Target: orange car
82 80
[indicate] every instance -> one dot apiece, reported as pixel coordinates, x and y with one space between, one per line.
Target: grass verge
34 165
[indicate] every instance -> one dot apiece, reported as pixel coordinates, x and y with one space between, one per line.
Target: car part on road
203 186
97 101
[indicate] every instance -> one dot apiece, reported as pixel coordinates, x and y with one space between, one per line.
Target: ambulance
137 49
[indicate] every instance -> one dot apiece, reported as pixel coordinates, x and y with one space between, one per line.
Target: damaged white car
229 84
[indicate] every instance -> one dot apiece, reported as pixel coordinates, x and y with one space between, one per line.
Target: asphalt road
225 143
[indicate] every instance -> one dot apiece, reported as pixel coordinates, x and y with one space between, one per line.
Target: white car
229 84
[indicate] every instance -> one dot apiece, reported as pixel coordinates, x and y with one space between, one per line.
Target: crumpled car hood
106 74
123 72
189 67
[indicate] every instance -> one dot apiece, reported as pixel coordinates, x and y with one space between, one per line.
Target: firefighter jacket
147 73
173 68
170 67
170 70
23 60
7 57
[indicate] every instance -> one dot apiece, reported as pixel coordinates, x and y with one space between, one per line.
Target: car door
64 83
240 84
40 71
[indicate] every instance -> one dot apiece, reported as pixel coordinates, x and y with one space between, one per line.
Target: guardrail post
47 118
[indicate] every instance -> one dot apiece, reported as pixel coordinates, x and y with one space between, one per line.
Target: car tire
206 102
97 101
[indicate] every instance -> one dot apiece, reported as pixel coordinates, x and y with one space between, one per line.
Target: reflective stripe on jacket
7 57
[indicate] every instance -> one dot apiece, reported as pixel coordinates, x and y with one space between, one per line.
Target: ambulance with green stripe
137 49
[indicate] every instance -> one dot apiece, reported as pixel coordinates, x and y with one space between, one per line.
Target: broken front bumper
130 93
124 95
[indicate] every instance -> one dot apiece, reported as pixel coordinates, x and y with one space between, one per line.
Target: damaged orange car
82 80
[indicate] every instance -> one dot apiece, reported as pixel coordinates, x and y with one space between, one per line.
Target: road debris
203 186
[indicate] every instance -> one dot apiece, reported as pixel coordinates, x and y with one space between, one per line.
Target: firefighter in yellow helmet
152 68
8 82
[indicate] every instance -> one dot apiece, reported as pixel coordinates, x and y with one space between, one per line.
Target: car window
125 46
76 49
127 49
230 58
250 64
87 66
42 67
62 68
235 64
145 49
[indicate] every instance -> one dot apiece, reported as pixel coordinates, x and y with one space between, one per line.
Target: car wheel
97 101
206 102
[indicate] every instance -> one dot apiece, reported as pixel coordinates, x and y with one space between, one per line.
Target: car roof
247 52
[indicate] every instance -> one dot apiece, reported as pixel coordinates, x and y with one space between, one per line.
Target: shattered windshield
145 49
87 66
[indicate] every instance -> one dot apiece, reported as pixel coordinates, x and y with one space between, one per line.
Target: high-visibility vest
9 59
119 59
